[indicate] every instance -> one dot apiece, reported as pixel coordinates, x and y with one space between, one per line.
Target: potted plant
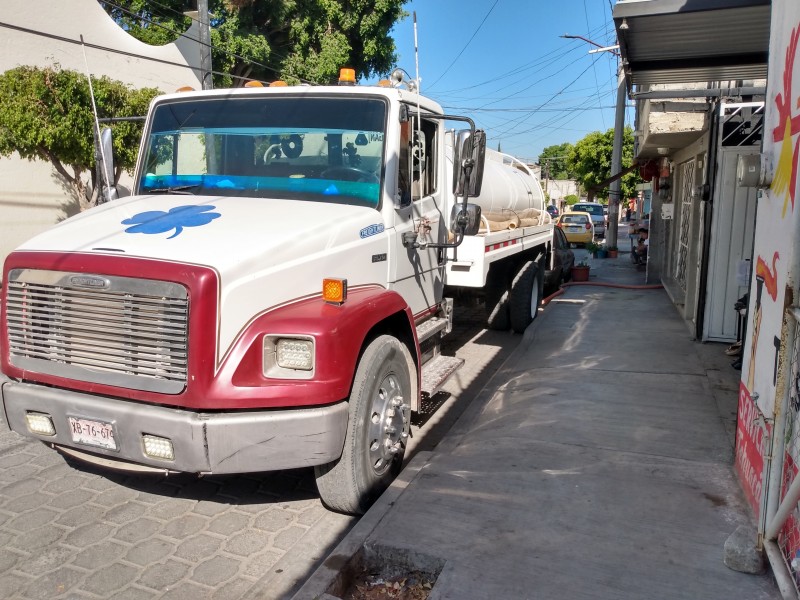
613 252
580 271
592 248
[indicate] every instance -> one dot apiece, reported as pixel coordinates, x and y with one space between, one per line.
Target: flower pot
602 254
580 273
613 253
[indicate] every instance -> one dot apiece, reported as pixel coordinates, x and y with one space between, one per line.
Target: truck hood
224 233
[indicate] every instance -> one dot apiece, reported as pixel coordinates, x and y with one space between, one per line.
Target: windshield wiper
175 189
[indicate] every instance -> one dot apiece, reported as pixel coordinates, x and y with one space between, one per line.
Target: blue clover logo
158 221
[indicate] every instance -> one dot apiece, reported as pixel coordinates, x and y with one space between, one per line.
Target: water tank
508 184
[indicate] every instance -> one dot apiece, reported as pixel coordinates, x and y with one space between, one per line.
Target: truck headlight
288 357
295 354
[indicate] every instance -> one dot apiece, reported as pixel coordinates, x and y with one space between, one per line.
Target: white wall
767 369
31 196
559 188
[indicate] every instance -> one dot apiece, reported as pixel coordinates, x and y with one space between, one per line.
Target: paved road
73 532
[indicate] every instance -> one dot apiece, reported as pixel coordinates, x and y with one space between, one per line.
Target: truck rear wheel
525 296
380 415
496 298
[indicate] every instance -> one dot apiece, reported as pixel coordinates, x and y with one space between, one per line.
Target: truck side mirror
468 217
469 153
107 165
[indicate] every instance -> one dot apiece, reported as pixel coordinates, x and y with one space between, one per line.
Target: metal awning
685 41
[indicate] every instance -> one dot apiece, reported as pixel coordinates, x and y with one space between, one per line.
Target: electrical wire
546 102
560 52
466 45
248 61
60 38
594 68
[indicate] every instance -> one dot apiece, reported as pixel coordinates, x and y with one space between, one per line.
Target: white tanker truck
274 293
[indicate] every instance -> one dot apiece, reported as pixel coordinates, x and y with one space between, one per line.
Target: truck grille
118 331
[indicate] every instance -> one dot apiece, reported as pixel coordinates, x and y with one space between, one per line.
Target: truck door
418 273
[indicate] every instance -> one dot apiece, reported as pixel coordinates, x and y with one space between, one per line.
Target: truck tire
377 430
496 298
525 296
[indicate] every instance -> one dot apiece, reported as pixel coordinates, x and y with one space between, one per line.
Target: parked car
561 261
552 210
577 227
595 209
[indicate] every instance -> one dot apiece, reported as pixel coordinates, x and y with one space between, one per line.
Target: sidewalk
597 463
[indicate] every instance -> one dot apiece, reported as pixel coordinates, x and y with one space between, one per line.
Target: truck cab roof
392 94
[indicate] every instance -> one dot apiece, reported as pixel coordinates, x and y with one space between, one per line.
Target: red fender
339 333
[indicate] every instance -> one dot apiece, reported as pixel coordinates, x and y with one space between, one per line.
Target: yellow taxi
577 226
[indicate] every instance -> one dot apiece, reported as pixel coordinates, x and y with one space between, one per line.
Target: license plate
574 229
92 433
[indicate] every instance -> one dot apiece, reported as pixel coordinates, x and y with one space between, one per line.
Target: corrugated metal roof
683 41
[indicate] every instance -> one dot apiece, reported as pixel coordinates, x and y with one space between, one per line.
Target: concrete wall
32 197
560 188
769 369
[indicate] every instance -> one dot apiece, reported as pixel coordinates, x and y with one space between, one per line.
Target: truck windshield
313 148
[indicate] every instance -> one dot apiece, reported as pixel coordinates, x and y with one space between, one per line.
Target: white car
595 209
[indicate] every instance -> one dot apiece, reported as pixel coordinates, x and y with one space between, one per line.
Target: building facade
726 226
44 34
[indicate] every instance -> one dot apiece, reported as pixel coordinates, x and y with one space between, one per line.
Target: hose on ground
621 286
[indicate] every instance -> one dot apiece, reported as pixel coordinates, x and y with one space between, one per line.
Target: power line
249 61
559 51
553 97
526 110
594 68
60 38
467 44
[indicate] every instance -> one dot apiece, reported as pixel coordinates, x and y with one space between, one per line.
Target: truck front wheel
525 296
380 415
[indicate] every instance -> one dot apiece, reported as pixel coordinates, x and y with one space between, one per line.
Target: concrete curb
325 575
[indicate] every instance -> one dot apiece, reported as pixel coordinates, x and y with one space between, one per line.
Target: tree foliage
553 161
47 114
570 199
293 40
590 161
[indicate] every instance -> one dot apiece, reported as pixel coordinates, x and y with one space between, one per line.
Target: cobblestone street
81 534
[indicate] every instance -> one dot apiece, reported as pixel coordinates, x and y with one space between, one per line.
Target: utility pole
546 173
616 150
616 161
205 45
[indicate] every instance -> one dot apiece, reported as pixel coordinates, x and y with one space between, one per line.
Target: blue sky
503 63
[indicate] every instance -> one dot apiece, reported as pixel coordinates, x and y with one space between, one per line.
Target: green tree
570 199
293 40
590 160
46 114
553 161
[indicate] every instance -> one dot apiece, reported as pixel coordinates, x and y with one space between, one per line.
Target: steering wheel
350 174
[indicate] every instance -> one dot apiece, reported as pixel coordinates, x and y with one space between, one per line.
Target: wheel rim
535 299
387 424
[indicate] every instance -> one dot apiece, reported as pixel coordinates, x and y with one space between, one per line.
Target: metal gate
686 171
